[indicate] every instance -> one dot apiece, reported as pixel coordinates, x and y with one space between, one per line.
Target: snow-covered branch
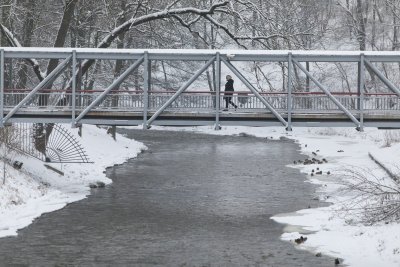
106 42
13 41
136 21
225 29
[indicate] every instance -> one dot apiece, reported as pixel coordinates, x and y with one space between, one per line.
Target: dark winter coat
229 87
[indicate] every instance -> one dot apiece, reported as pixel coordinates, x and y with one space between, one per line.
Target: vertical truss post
73 100
146 80
1 86
361 84
289 95
217 86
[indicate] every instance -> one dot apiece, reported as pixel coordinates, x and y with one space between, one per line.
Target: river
190 200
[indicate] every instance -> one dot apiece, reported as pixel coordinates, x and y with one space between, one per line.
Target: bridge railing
388 102
201 101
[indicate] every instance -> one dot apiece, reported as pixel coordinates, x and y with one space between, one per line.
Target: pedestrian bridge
145 104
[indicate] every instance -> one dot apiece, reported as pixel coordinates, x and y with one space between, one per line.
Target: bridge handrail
9 90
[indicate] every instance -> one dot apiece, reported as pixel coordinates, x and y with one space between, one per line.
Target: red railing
243 93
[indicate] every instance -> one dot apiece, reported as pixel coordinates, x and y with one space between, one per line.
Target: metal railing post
146 89
73 100
217 90
289 95
1 86
361 92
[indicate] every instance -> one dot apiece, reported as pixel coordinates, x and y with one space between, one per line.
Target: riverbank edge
34 190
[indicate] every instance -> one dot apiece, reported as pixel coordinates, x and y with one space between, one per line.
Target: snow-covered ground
35 189
329 230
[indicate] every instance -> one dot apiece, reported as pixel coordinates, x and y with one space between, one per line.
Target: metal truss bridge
147 105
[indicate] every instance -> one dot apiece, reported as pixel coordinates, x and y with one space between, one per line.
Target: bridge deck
231 117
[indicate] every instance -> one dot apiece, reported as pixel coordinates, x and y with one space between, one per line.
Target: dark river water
190 200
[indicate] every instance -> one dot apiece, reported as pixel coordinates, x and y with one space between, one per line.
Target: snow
329 230
37 190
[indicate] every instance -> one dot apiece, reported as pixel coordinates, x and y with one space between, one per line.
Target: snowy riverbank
35 189
329 230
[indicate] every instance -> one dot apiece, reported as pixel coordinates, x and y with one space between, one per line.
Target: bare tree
375 199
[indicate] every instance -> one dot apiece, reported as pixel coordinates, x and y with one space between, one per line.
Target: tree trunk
119 64
28 28
43 131
5 7
395 36
60 41
361 26
6 21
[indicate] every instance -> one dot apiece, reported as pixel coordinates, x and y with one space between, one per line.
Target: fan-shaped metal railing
58 144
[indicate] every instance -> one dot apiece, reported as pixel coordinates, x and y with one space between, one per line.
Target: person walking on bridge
229 92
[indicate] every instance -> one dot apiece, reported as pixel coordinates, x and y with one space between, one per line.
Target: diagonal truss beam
254 91
183 88
382 77
116 82
330 96
49 78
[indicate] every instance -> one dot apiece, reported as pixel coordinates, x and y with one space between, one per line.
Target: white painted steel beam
217 86
202 54
146 87
289 96
73 100
361 77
